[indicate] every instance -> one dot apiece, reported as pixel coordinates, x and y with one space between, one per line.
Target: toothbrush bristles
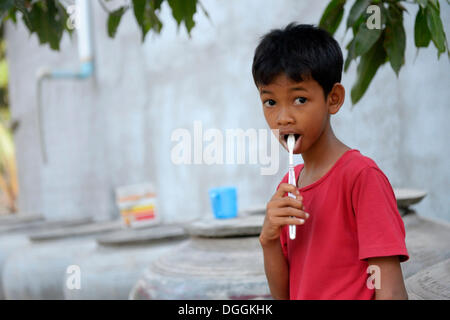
291 143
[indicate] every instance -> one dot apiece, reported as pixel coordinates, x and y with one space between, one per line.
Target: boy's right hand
282 211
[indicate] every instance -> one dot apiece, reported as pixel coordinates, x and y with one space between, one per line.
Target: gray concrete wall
115 128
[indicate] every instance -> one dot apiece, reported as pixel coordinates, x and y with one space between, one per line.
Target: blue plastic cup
223 202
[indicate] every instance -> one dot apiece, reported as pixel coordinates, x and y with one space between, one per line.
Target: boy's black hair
300 51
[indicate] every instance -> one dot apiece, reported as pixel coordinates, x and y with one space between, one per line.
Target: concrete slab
427 243
18 218
41 225
76 231
220 228
433 283
128 237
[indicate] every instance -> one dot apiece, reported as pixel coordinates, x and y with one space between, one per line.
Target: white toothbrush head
290 145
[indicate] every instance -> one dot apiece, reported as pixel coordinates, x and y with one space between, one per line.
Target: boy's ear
336 98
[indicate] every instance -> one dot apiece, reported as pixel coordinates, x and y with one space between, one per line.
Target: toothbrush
290 145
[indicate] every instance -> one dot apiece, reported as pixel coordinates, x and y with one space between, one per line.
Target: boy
350 238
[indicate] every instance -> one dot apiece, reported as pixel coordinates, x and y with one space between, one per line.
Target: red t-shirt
353 216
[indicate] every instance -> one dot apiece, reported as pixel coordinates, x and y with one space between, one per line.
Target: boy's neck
324 153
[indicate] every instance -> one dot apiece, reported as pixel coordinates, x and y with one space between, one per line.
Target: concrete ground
427 272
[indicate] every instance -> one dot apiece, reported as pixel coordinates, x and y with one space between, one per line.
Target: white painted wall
115 129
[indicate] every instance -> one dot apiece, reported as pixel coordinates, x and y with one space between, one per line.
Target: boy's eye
269 103
299 100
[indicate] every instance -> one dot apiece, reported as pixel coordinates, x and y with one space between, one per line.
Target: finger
289 221
283 188
289 212
286 202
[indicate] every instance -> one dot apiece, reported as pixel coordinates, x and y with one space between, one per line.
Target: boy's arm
391 282
276 268
280 211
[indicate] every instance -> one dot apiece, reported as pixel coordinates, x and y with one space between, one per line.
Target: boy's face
298 108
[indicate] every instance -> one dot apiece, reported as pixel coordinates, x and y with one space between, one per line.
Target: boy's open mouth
298 138
285 136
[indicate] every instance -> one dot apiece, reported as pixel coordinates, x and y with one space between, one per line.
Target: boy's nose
285 117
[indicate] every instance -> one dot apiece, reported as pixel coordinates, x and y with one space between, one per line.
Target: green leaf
47 19
56 29
358 23
332 16
5 6
156 4
8 10
12 14
63 17
146 13
20 4
365 39
114 20
395 38
422 3
401 7
367 68
184 10
358 9
436 28
350 54
151 15
434 3
422 35
38 22
138 9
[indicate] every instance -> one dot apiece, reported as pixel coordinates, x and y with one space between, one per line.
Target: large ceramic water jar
221 260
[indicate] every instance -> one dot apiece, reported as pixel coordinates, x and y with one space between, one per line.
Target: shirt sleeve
381 231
